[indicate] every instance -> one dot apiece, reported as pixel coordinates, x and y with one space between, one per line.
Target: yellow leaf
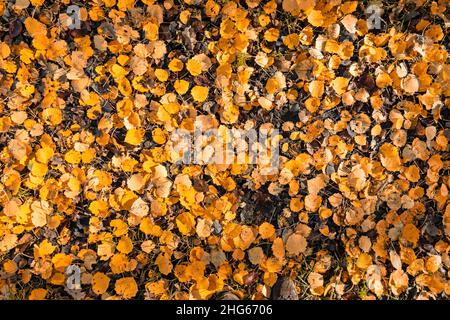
151 31
44 249
199 93
390 158
316 88
176 65
52 115
278 248
118 72
37 3
37 169
164 264
43 155
34 27
37 294
5 51
159 136
411 234
185 223
412 173
99 208
8 242
139 208
313 202
162 75
316 18
125 245
120 228
272 85
272 34
126 287
296 244
364 261
148 246
181 86
340 85
184 16
203 228
100 283
134 136
295 205
124 87
383 80
148 227
61 261
266 230
10 267
410 84
194 67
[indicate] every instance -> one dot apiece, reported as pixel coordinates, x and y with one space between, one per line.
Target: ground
115 116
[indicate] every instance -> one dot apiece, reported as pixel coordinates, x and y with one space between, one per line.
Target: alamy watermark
226 146
374 12
74 22
73 280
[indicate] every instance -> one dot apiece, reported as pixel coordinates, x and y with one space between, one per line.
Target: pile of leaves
358 209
